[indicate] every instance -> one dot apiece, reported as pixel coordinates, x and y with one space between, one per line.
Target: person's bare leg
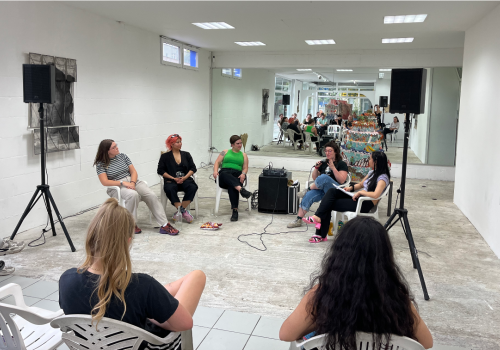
238 188
316 218
313 186
177 205
185 204
301 212
187 290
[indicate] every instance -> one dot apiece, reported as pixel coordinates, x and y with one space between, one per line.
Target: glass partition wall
237 108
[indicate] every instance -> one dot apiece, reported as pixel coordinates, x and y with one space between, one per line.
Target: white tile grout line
212 327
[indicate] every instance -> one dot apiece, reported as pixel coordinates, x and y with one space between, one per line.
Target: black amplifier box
274 172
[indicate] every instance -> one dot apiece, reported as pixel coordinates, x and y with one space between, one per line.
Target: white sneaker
295 223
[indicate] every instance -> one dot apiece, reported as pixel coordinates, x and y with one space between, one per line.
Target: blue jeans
324 183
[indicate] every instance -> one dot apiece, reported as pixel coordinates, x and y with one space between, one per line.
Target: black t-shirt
145 298
325 169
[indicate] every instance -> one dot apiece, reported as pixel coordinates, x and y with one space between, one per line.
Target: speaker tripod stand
43 190
401 214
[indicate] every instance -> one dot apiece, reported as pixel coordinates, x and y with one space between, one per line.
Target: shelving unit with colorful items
361 140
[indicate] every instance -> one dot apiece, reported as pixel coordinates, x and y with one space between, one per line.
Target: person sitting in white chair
393 128
233 171
327 174
116 169
359 288
177 167
104 285
373 185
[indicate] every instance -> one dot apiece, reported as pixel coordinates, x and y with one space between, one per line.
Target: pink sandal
317 239
310 221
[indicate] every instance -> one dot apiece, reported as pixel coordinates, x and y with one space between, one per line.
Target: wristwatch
121 183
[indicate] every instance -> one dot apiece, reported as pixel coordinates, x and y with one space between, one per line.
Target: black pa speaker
382 101
39 83
286 100
273 194
408 90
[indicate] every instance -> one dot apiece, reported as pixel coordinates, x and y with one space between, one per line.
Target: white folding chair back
336 216
164 199
26 328
113 334
334 130
364 340
291 133
220 190
121 201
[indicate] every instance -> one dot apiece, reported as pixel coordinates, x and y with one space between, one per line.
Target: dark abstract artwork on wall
61 132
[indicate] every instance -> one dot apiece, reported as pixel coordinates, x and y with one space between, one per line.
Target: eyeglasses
174 135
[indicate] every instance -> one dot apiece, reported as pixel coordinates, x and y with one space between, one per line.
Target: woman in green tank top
232 173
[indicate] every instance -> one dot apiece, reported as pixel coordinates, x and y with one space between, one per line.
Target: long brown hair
102 155
108 241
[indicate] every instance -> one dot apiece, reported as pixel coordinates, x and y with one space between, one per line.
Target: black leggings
337 200
228 180
387 131
189 187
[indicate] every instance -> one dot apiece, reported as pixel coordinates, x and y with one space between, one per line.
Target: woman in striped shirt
116 169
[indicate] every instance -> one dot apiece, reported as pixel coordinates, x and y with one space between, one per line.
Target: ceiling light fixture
214 25
397 40
320 42
385 69
304 70
249 43
344 70
404 19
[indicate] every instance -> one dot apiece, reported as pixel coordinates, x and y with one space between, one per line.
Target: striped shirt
117 168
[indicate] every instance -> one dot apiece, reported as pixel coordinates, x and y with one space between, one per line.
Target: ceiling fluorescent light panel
344 70
320 42
404 19
214 25
385 69
397 40
304 70
249 43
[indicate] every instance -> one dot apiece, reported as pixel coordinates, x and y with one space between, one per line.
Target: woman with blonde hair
104 285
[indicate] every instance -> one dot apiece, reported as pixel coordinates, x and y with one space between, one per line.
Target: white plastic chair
220 190
334 130
291 133
121 201
164 199
29 328
336 216
112 334
363 340
309 141
394 135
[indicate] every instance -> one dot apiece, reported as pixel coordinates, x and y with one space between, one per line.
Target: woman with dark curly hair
359 288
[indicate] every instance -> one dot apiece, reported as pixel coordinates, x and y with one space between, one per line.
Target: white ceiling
284 25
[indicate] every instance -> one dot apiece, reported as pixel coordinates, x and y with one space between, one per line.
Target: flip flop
7 271
317 239
10 247
310 221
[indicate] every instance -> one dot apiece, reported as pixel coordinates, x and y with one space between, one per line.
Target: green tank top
233 160
309 128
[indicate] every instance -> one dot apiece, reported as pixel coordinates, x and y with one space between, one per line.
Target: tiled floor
213 328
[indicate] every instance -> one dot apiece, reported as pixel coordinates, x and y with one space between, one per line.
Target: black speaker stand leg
45 192
402 216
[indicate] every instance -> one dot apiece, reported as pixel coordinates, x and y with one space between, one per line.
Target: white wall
123 93
477 189
444 116
419 136
237 107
